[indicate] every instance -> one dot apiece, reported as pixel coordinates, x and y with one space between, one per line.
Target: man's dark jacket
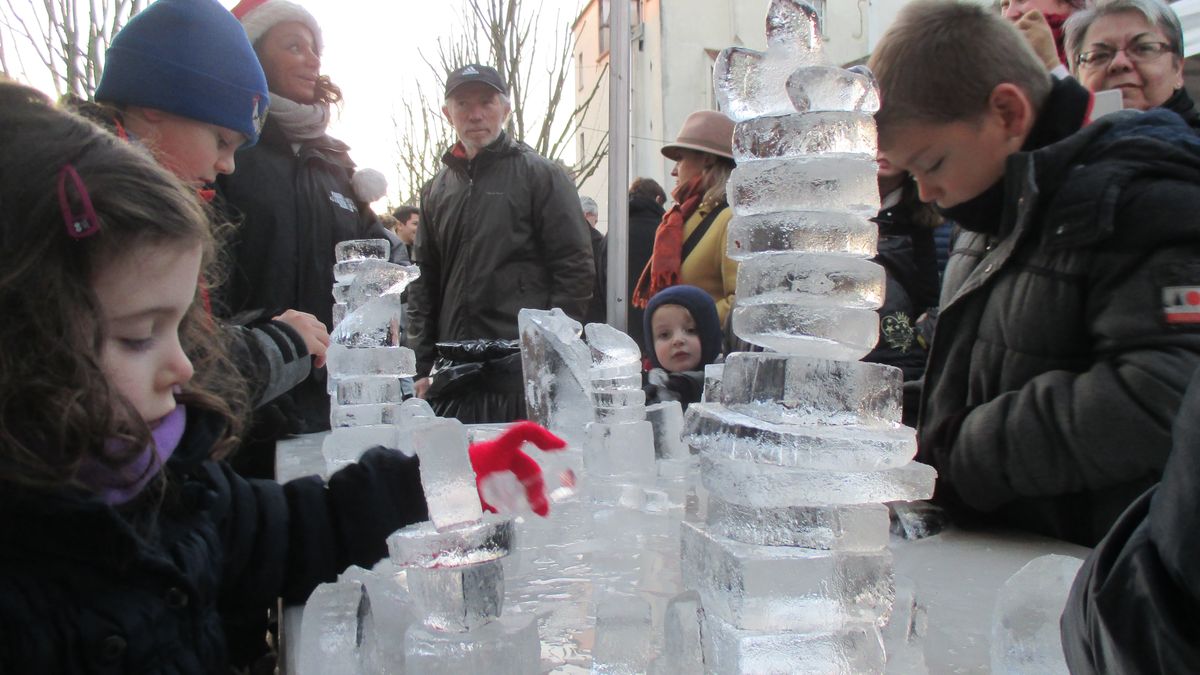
498 233
84 589
295 207
1059 359
1135 604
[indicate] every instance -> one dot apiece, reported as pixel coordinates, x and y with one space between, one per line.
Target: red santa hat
258 16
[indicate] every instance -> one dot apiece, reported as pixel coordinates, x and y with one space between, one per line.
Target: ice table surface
957 575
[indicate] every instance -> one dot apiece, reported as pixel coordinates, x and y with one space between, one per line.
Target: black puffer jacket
295 207
1060 357
1135 604
500 233
83 591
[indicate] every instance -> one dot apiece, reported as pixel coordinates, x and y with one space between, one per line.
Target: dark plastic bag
478 381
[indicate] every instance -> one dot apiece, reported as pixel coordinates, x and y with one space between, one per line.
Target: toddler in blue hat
683 334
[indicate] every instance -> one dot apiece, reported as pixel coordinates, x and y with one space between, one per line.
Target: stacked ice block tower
792 567
365 362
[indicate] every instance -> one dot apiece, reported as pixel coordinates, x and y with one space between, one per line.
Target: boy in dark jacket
683 334
1066 337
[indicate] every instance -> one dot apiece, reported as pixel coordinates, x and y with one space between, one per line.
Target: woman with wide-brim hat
689 246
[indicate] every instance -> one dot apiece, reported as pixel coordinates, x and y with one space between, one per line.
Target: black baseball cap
474 72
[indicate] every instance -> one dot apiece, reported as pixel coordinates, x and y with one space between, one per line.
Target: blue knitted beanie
700 305
189 58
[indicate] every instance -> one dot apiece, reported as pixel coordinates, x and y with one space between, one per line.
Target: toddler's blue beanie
189 58
700 305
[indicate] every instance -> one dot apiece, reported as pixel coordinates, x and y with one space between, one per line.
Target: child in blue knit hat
683 334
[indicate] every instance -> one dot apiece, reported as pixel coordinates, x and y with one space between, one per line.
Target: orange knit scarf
665 259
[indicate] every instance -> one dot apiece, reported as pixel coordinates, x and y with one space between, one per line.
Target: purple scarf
118 486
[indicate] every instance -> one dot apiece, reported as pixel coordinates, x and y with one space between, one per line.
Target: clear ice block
750 83
413 408
854 650
373 278
805 134
667 420
368 390
620 414
506 646
446 475
358 249
619 449
683 650
555 362
829 88
346 362
1025 632
623 632
719 432
375 323
904 634
860 527
822 332
612 349
829 182
713 373
619 398
458 599
793 26
754 484
813 279
422 545
363 415
332 629
788 389
773 588
835 232
618 382
344 445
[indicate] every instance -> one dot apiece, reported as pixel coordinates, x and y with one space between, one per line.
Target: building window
635 20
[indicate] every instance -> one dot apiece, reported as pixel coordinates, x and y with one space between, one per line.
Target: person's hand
420 387
1039 36
503 454
311 330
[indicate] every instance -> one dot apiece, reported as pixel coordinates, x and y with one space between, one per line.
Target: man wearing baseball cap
501 230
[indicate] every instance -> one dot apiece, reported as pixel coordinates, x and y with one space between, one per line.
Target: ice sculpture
800 445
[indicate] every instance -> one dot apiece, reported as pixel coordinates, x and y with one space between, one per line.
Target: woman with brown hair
689 246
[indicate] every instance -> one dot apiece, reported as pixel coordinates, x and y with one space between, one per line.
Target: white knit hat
259 16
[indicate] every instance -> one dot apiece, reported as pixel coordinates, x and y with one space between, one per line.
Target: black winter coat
83 591
644 217
1060 359
498 234
295 207
1135 604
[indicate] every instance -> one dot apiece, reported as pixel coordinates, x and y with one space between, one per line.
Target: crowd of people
168 252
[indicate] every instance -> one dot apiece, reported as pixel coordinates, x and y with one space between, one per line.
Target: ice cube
373 278
805 134
904 634
368 390
785 587
835 232
555 362
851 651
391 615
446 475
825 88
458 599
754 484
1025 632
788 389
750 83
345 362
793 26
619 398
618 382
611 348
821 332
622 635
814 279
507 646
344 445
713 373
621 414
358 249
332 630
619 449
683 651
828 182
422 545
667 420
719 432
413 408
340 310
861 527
374 324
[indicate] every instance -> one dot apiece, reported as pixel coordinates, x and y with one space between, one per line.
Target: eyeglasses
1138 52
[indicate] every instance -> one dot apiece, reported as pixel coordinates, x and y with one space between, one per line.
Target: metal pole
618 163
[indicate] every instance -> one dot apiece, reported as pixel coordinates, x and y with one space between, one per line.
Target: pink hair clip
79 225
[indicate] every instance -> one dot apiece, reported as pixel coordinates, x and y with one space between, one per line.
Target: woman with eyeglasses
1135 46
